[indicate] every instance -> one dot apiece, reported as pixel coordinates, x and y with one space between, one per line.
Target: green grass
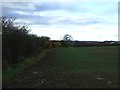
75 67
15 69
103 59
87 62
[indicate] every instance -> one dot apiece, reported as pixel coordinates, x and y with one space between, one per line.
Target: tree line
18 43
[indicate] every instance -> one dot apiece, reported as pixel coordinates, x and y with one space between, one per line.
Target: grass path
85 67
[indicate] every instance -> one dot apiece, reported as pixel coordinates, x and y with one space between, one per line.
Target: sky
84 21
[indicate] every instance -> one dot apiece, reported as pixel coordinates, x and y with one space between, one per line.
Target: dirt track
46 74
36 76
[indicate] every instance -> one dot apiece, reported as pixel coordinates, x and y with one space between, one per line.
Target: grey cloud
42 6
9 9
77 22
18 6
72 7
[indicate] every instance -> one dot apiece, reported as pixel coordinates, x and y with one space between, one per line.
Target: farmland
72 67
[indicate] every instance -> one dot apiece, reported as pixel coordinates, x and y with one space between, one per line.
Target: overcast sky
84 21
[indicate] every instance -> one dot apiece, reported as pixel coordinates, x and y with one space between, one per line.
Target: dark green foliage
66 43
56 43
13 39
18 43
45 42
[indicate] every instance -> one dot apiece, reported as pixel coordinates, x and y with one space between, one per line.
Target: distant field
87 59
87 66
71 67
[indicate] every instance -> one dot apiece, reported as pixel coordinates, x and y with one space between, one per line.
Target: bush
17 43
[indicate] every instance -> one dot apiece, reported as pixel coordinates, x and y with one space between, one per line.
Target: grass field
72 67
87 59
87 66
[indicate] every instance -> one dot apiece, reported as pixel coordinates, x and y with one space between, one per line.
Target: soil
36 76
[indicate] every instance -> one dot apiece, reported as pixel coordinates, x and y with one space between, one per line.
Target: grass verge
15 69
